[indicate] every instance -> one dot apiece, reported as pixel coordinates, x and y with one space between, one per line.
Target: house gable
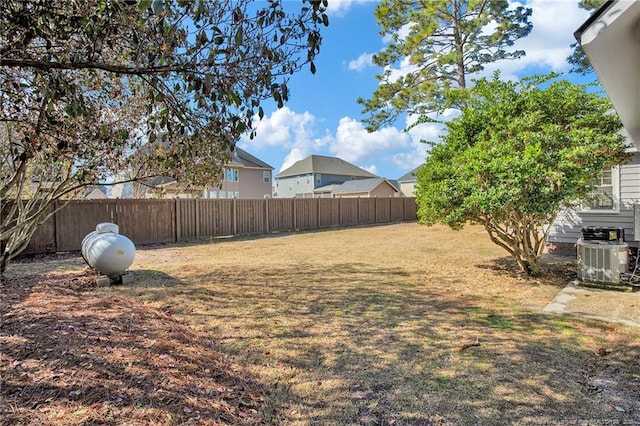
315 171
324 165
360 188
250 178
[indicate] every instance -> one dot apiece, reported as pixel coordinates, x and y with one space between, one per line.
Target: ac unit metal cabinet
601 263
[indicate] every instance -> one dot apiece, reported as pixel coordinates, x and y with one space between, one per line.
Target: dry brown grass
400 324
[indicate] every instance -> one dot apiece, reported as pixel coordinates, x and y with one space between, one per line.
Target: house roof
241 157
361 185
95 193
160 181
324 165
610 40
410 176
326 189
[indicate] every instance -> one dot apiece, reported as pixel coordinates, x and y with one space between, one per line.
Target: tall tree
518 154
578 59
438 43
91 88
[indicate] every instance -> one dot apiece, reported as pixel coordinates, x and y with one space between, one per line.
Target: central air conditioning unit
601 262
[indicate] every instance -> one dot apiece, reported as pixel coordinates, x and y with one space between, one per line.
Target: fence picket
167 221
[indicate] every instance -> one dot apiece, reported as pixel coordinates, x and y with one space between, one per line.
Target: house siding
295 186
408 188
250 184
304 189
566 228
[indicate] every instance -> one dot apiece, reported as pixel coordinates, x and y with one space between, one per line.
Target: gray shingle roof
360 185
243 158
324 165
410 176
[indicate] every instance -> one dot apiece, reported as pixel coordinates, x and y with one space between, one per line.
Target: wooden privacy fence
168 221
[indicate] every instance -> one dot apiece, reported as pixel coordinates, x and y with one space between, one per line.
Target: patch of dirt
71 358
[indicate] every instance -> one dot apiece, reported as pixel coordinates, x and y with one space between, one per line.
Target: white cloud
283 128
354 143
296 154
548 44
363 61
289 130
341 7
371 169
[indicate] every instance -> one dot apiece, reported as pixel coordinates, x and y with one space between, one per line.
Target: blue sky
323 118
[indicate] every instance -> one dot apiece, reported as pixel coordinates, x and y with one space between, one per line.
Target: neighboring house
374 187
95 192
610 39
167 187
313 172
407 183
245 176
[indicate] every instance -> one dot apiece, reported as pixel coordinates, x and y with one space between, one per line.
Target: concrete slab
605 305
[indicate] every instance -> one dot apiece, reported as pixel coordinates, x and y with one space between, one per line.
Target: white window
604 197
318 178
222 194
237 194
213 194
229 175
236 175
266 176
290 186
229 194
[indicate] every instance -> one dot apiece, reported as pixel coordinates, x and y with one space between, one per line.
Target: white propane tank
107 251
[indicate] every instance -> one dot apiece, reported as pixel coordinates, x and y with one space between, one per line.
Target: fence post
375 210
403 209
56 224
234 213
178 215
266 215
294 212
197 218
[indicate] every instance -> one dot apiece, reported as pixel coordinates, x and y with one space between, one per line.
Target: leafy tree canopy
518 154
90 89
441 42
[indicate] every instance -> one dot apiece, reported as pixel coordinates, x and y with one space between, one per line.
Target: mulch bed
70 358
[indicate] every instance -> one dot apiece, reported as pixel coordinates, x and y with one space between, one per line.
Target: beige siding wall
250 184
408 188
383 190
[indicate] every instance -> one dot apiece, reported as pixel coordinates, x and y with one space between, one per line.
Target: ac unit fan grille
601 263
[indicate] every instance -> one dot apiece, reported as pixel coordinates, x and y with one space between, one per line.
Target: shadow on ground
364 344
